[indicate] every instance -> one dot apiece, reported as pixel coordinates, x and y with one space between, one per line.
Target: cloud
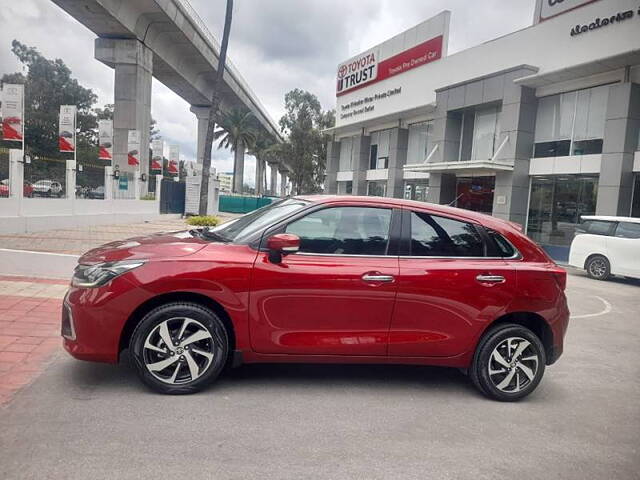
277 45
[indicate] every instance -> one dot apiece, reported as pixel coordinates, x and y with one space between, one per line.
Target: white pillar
273 183
108 183
238 170
16 173
133 65
259 175
202 115
158 190
283 184
70 180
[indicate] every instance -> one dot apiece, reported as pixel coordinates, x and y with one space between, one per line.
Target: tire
598 267
186 366
505 377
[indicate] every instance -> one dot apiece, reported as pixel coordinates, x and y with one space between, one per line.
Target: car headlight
91 276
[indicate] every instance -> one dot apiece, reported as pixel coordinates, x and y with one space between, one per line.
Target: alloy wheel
597 267
179 350
513 365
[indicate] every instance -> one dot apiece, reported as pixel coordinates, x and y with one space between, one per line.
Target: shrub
203 221
148 196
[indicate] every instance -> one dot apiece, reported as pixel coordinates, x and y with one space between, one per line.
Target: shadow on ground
87 377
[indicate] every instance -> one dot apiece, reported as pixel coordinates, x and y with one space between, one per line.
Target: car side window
628 230
434 236
344 231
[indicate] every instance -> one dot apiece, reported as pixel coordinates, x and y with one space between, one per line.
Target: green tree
49 84
236 133
304 151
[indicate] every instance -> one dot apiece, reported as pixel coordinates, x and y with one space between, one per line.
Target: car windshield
242 228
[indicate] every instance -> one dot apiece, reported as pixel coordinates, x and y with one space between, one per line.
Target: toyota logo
342 71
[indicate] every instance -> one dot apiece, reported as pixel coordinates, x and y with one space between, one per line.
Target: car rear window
502 246
595 227
628 230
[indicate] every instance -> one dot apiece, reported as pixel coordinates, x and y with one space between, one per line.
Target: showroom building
539 126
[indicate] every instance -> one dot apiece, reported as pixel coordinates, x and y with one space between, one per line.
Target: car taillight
561 278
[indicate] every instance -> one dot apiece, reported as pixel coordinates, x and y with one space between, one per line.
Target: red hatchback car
324 279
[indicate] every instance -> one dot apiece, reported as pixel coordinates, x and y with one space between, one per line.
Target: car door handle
490 279
377 278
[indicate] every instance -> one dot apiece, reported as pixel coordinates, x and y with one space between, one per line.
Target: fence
22 211
242 204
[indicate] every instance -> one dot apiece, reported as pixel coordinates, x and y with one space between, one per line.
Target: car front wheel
598 267
179 348
509 363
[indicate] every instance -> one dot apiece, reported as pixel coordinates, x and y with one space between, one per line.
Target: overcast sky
277 45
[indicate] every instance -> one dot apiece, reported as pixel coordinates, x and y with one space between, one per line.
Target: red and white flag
133 149
157 152
174 159
105 139
12 112
67 129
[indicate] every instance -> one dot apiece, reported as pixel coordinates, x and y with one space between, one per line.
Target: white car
48 188
606 246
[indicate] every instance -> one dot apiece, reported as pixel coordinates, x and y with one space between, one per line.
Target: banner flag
67 129
133 149
157 152
12 112
174 159
105 139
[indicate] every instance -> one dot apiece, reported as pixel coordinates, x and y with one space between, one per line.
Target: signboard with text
392 69
67 129
105 140
174 159
12 112
547 9
133 148
157 152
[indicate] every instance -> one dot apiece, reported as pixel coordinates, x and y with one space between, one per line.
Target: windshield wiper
206 233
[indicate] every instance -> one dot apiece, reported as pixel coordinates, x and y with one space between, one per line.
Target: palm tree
213 111
236 133
259 149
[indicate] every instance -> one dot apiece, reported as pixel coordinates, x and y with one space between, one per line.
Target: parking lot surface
82 420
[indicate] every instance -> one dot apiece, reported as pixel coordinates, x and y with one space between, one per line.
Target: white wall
547 45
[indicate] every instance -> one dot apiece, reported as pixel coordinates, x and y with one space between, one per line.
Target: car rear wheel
509 363
598 267
179 348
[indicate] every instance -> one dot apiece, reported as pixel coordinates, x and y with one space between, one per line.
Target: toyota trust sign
551 8
368 68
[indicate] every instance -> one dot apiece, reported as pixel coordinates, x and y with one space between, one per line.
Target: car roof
609 218
414 204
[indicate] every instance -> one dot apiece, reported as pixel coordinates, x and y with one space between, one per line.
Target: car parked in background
27 188
96 193
606 246
325 279
47 188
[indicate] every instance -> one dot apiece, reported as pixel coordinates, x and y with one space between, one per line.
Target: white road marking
607 308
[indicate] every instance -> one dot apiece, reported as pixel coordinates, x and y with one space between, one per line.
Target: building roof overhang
581 70
467 167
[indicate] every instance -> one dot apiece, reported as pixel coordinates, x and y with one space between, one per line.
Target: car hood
156 246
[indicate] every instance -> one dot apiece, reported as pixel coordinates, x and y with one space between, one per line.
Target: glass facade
416 189
475 193
379 150
571 123
377 188
346 154
419 142
635 202
555 206
486 129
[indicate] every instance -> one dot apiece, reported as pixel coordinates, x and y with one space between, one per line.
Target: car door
624 249
336 295
449 287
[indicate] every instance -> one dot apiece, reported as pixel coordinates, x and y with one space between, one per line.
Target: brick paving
76 241
29 329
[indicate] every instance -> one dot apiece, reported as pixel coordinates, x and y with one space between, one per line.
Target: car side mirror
282 244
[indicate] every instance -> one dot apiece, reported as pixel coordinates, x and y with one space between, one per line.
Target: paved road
81 420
